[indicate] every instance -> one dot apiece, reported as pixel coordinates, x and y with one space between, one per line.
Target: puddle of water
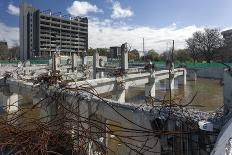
209 95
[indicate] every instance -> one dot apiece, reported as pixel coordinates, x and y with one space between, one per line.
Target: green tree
192 49
133 54
164 56
101 51
90 51
182 55
152 55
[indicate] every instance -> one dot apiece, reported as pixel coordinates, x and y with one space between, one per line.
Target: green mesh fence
134 63
39 62
204 65
9 61
188 65
157 63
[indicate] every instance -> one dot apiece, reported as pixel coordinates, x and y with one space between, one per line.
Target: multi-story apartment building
42 33
115 52
3 50
227 35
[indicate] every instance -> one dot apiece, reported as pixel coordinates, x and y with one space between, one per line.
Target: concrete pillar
227 92
100 74
119 95
150 86
184 76
55 61
124 57
171 85
95 63
27 63
9 102
74 61
50 62
120 90
101 64
182 79
84 58
20 64
192 76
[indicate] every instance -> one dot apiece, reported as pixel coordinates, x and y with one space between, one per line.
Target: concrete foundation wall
211 73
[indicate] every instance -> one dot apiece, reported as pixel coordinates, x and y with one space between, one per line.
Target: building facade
42 33
3 50
115 52
227 35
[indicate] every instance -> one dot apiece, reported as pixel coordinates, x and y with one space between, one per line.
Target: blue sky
113 22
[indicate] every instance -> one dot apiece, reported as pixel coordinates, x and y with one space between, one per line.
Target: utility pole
171 71
143 47
173 45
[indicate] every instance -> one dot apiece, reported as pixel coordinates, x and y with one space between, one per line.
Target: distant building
227 35
3 44
115 52
3 50
42 33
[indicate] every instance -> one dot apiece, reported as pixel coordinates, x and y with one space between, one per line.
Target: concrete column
20 64
50 62
192 76
9 102
84 58
120 90
119 95
171 85
74 61
101 64
182 79
55 61
95 63
170 81
100 74
124 57
227 92
150 86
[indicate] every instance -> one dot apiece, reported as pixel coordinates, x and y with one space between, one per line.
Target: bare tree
192 49
206 43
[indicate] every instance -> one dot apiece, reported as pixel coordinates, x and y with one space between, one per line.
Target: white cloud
9 34
119 12
107 33
82 8
13 10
